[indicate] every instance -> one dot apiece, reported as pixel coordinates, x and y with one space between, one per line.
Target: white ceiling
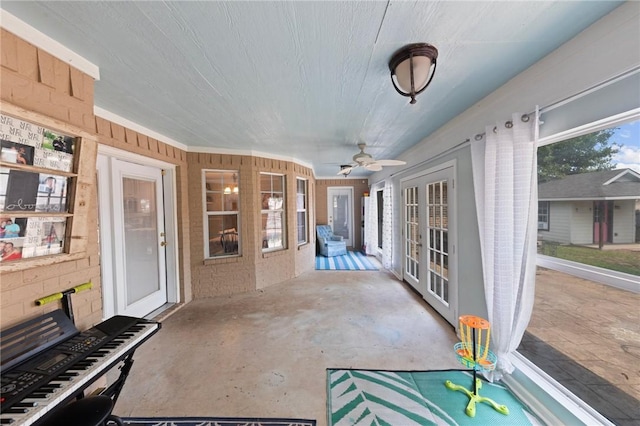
304 80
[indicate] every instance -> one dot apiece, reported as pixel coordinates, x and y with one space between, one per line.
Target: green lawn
618 260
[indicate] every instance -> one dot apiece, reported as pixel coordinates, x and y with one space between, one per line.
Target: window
543 215
272 211
222 212
301 210
593 181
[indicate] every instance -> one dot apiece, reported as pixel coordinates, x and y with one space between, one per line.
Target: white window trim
283 210
548 399
305 210
206 214
548 214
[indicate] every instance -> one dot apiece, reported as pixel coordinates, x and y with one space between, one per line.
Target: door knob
163 243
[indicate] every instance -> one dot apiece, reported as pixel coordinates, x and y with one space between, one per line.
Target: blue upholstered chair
330 245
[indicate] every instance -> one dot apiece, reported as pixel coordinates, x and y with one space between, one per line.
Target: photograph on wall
20 191
17 153
10 250
58 142
12 227
56 152
43 236
52 194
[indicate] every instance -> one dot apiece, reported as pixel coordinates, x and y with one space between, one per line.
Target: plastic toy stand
473 352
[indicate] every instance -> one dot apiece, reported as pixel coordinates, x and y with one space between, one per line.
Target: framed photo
37 236
14 152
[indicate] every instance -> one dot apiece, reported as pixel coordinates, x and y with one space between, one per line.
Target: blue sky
627 137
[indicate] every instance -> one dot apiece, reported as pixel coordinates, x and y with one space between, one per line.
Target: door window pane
141 238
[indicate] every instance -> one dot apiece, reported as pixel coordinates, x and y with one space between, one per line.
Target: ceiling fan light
412 69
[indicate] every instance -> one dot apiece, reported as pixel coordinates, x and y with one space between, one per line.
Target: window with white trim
302 217
221 192
273 218
543 215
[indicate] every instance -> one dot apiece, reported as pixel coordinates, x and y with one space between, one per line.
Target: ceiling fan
362 159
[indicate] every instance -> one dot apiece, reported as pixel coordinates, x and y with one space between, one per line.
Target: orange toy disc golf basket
473 352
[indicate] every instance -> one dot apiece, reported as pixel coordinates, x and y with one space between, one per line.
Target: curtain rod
525 117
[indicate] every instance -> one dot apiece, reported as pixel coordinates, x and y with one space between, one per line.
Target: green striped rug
352 261
420 398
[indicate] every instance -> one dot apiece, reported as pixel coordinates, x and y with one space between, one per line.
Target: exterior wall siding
559 223
581 222
624 221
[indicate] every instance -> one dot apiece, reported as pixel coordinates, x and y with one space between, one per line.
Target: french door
340 212
429 249
133 237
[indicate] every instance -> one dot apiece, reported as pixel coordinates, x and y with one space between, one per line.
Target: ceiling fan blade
391 162
374 167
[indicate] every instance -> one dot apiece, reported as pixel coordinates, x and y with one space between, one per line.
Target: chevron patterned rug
352 261
214 421
415 398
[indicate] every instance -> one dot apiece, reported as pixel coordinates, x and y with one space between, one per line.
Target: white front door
340 212
133 237
429 243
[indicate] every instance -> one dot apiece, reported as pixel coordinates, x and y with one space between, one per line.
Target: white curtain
387 226
505 182
371 224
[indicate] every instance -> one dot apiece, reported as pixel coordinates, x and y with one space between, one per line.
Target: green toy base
474 398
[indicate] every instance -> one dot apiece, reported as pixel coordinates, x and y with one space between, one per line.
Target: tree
582 154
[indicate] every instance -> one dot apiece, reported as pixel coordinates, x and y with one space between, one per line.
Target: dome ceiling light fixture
412 69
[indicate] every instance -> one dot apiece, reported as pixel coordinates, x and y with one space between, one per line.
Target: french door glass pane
438 247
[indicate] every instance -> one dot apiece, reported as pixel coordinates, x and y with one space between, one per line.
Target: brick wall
34 82
253 269
58 95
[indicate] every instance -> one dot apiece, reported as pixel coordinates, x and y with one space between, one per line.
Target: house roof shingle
603 185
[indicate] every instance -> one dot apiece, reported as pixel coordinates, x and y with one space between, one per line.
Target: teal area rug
214 421
352 261
420 398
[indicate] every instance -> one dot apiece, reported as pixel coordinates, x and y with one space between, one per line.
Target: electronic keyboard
46 362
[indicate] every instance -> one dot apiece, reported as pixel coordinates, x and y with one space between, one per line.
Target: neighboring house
591 207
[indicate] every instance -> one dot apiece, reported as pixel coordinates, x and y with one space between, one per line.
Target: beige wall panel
8 50
46 69
28 60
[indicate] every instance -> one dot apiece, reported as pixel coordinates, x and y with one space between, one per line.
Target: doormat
352 261
214 421
366 397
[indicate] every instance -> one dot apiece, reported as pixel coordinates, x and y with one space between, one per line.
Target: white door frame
106 227
349 190
422 179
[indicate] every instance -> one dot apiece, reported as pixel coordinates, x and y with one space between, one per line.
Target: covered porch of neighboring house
595 208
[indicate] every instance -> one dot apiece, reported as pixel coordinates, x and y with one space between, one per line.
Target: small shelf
35 169
33 214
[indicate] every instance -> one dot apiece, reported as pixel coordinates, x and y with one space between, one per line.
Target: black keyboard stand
113 391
